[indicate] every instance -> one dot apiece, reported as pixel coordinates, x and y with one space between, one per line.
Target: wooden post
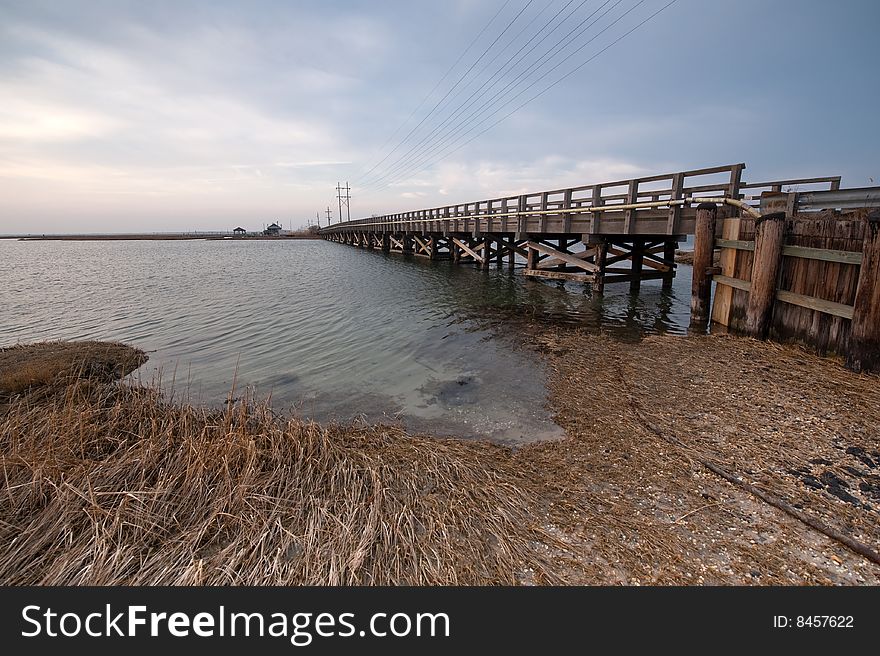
511 253
432 247
456 251
532 259
637 258
704 245
487 253
386 242
599 276
407 244
669 255
769 240
864 340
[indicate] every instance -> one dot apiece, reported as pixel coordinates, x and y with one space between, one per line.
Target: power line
403 162
431 92
452 148
465 74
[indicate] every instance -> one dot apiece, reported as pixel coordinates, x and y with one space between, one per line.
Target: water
330 331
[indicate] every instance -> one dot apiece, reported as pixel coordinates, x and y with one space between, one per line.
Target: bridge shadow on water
498 295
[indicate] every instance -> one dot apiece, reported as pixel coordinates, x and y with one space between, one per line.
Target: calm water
328 330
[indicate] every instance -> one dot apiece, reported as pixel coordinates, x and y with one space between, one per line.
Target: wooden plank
558 275
818 304
724 294
565 257
736 283
554 261
823 254
467 249
423 247
732 243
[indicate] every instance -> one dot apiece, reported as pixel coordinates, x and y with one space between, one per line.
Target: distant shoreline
154 237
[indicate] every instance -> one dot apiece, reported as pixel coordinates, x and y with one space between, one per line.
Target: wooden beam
736 283
823 254
554 261
558 275
467 249
818 304
565 257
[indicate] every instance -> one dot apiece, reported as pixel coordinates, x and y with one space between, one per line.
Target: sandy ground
635 508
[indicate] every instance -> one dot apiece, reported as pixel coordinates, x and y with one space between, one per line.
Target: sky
154 116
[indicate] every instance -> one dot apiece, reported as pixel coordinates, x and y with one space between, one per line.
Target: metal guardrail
812 201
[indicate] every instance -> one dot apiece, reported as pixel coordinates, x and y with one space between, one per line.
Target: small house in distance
273 230
239 232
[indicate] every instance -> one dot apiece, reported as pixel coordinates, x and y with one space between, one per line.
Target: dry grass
110 484
29 366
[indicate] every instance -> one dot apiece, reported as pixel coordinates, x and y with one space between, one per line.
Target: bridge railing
719 181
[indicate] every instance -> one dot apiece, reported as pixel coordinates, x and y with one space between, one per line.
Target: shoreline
624 498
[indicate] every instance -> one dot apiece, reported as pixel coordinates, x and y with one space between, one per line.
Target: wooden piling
532 259
669 255
599 276
637 260
769 240
704 245
864 342
487 253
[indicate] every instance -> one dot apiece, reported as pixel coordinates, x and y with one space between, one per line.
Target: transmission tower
344 200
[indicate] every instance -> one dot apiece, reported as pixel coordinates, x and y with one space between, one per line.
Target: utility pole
318 214
344 200
328 215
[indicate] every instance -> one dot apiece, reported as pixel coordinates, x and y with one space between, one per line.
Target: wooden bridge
622 231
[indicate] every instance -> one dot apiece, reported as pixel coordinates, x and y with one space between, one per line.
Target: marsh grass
106 483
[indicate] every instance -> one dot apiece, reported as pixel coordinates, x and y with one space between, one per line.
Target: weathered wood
669 255
724 295
864 346
565 257
599 276
532 258
559 275
735 283
554 261
731 242
467 249
823 254
769 240
701 285
637 261
813 303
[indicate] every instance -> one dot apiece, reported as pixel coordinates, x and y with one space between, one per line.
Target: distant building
273 230
239 232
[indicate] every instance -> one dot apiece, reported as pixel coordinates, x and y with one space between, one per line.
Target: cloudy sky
151 116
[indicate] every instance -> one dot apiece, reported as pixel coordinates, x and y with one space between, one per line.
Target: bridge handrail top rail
501 206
